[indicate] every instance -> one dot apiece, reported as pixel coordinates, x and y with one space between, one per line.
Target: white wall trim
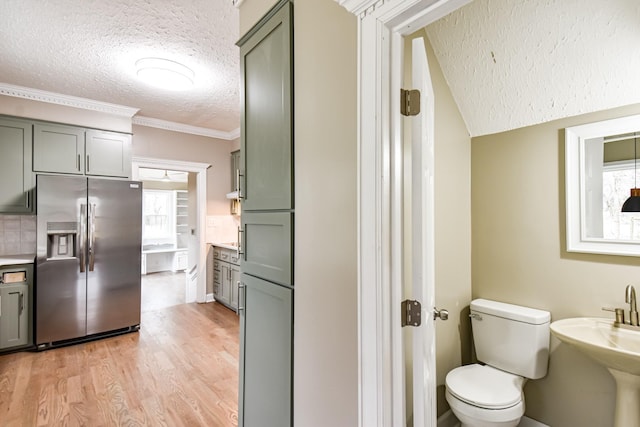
201 209
379 21
180 127
66 100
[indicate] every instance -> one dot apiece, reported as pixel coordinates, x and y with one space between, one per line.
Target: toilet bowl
482 396
512 345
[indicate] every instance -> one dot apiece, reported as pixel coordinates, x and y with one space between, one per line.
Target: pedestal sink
616 348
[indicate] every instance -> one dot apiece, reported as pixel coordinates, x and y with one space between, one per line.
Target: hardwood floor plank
180 369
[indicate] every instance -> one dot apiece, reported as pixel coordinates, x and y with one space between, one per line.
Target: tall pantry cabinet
266 188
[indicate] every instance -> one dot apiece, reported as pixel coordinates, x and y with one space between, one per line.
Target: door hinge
411 313
409 102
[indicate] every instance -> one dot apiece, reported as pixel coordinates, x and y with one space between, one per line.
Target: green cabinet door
266 120
266 322
73 150
16 176
58 148
235 171
14 317
108 154
267 246
235 284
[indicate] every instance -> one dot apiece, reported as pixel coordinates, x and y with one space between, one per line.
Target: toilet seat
480 417
485 387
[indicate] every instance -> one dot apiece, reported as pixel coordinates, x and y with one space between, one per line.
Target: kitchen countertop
16 259
232 246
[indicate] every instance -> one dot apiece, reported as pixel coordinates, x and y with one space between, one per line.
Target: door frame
200 169
382 24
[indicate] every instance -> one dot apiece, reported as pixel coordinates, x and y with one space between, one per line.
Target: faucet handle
618 311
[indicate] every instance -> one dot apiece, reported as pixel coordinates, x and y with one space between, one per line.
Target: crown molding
358 7
66 100
179 127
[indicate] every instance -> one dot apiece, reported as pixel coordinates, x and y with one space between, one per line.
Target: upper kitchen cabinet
266 122
72 150
15 167
108 154
58 149
235 171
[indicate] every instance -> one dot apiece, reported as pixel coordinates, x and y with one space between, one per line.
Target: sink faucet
630 297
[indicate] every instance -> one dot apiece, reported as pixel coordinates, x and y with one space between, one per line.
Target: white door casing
381 25
197 276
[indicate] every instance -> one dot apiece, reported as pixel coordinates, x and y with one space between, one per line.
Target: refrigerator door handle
83 237
92 235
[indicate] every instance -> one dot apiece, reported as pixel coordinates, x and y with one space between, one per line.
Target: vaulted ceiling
509 63
514 63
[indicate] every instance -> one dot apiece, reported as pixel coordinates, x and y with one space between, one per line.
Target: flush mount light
165 73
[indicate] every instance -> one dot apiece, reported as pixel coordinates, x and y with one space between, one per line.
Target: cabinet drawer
216 265
268 246
216 252
216 276
235 258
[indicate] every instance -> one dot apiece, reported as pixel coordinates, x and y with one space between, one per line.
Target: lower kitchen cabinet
14 315
266 336
226 276
16 175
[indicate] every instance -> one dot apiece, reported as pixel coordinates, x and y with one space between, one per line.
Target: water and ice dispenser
62 240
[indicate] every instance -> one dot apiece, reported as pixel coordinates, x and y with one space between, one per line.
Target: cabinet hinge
411 313
409 102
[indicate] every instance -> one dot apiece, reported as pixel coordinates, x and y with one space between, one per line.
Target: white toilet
512 342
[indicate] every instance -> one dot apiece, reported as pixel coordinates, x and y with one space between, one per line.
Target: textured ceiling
514 63
509 63
87 48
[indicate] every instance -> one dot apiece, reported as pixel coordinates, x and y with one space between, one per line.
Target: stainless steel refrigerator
88 258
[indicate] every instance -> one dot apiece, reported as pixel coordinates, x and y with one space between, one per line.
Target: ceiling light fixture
632 204
166 177
165 73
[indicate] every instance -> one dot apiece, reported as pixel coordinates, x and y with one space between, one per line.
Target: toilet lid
484 386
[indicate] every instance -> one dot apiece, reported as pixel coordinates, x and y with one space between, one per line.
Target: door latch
411 313
443 314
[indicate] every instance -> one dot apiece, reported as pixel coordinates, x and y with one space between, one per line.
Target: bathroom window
158 211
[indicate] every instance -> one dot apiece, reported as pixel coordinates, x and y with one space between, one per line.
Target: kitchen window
158 216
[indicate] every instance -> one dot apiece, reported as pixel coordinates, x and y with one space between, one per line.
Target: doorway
381 32
195 275
167 217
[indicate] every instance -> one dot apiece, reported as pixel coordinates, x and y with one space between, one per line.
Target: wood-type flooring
180 369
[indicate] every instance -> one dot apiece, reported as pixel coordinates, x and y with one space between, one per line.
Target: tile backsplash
17 234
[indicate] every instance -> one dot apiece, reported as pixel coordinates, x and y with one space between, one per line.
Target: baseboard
449 420
209 298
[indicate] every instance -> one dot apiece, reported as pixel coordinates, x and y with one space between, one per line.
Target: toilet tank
510 337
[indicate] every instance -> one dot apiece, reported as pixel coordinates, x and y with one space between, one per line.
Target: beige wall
519 256
27 108
325 324
164 144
